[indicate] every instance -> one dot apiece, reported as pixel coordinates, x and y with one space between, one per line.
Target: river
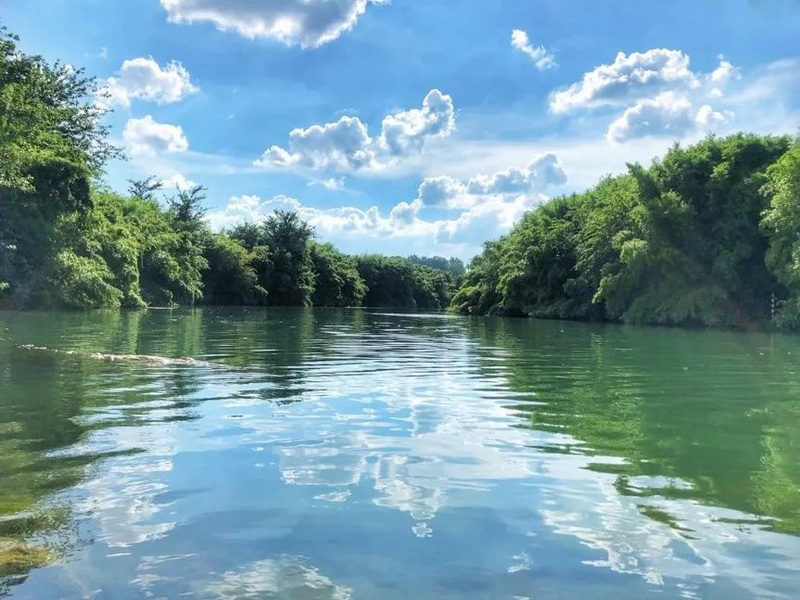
351 454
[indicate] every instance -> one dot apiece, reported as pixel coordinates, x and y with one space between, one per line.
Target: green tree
389 281
781 222
51 146
231 277
680 242
478 294
51 138
291 281
186 212
336 279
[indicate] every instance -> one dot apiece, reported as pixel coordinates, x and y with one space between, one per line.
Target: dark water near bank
344 454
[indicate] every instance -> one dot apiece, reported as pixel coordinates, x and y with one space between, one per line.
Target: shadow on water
711 417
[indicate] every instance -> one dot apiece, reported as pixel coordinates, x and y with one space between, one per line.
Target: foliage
478 294
336 279
680 242
231 277
454 266
51 139
292 277
781 222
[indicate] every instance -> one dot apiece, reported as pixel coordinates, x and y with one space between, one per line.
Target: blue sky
416 126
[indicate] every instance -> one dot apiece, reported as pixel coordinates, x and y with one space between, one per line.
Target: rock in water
133 358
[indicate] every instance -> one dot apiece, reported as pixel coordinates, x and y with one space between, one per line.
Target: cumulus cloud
400 230
177 181
540 56
540 173
406 131
660 94
487 220
331 183
307 23
346 144
636 75
724 72
707 116
667 113
144 79
487 205
443 190
146 136
343 219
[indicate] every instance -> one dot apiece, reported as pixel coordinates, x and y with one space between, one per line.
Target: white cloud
282 577
405 213
633 76
489 219
724 72
331 183
707 116
540 56
487 207
662 96
346 144
443 190
144 79
345 220
540 173
406 131
177 181
148 137
307 23
666 114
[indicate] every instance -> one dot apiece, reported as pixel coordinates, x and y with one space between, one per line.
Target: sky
415 126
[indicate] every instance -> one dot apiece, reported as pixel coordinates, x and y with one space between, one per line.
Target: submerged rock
19 558
134 358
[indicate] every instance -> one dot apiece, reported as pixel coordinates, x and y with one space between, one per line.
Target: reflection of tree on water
675 426
61 415
718 410
55 412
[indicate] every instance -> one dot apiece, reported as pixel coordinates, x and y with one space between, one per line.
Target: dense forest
67 241
708 235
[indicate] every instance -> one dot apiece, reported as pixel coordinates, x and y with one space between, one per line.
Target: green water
347 454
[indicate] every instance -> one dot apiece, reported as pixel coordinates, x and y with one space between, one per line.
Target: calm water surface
347 454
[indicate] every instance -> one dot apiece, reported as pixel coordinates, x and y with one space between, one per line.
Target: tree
679 242
144 188
51 138
478 294
51 146
291 281
336 279
781 222
231 278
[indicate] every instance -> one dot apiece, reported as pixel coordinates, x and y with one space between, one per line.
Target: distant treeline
127 251
67 242
709 235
